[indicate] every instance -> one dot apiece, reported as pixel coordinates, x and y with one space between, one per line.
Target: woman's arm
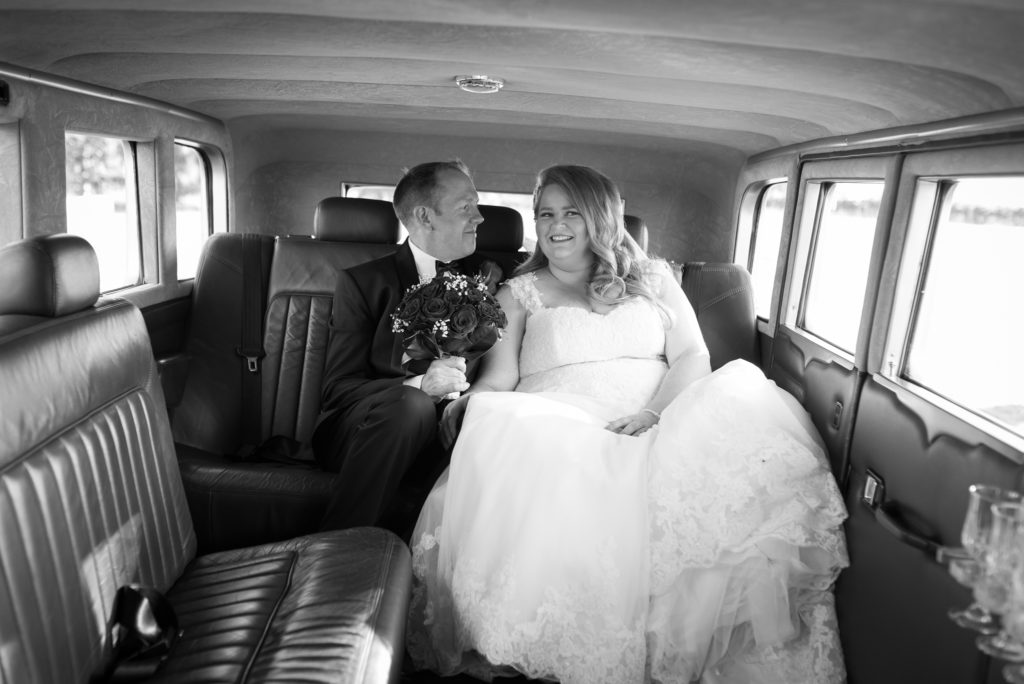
499 367
686 353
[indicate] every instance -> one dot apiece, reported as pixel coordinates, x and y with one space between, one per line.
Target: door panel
167 323
826 385
893 599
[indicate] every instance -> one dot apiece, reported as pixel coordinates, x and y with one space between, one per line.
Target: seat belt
142 631
254 291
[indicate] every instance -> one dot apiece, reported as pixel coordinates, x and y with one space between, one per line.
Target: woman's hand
634 425
451 420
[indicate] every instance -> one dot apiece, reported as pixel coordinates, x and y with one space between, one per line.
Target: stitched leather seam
385 570
725 295
33 450
270 620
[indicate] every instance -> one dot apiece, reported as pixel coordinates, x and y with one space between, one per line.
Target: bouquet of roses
451 315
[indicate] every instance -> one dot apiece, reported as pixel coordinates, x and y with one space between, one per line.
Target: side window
765 238
835 255
102 205
965 325
193 206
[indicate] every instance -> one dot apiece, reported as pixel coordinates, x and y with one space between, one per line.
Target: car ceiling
732 77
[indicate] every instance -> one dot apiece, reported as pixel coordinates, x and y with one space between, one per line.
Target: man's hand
445 376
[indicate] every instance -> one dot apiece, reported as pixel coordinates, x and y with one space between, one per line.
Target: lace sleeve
656 271
524 290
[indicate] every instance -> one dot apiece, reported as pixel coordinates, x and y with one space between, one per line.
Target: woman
624 515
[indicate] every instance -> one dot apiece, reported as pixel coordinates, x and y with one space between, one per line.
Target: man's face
451 233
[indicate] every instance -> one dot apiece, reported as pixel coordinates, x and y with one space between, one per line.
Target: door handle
888 517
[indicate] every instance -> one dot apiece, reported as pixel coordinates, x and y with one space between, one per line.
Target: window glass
840 256
765 250
102 207
521 202
969 324
193 218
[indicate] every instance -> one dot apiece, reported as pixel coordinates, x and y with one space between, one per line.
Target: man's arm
348 371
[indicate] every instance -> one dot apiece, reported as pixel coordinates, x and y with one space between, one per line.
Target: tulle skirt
702 550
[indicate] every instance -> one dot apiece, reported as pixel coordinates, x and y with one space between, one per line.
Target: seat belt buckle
252 360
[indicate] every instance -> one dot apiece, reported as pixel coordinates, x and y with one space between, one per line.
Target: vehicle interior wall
32 161
684 197
905 455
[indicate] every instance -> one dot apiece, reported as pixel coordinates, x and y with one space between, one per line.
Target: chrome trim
886 139
82 88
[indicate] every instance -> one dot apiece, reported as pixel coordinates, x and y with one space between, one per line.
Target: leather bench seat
234 502
319 608
91 500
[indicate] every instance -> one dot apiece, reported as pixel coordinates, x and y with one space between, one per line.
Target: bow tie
453 266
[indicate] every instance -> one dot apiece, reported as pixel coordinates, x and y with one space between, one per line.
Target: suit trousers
371 444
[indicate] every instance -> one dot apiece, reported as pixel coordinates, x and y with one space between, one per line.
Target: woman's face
561 231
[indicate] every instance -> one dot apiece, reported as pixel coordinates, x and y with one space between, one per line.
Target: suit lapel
406 267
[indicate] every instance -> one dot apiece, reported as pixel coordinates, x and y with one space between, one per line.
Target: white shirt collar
426 265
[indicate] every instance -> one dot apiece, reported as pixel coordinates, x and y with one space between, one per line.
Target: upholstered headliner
715 77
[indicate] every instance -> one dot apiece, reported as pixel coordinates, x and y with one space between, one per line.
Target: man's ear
424 215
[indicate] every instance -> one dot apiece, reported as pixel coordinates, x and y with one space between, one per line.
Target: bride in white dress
624 515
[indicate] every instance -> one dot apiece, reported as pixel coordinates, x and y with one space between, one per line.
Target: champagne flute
974 536
1002 560
1013 622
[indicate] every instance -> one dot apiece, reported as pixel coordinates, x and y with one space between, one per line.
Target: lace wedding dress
703 550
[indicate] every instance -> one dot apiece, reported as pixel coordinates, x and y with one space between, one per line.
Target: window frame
135 155
214 178
745 247
924 183
814 175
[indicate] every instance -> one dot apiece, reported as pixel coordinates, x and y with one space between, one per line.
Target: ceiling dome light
479 84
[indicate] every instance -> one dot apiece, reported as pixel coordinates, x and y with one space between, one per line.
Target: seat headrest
637 229
501 231
50 275
353 219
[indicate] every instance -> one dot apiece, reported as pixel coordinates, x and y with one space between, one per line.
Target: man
376 416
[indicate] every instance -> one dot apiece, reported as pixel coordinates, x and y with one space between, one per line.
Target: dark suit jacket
363 355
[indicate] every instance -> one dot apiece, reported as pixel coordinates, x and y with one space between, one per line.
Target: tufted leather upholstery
91 499
637 229
722 297
234 503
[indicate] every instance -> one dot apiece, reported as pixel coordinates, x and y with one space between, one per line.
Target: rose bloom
491 314
409 309
436 308
463 320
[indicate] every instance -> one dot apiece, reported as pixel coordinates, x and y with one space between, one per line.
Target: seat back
500 237
637 229
209 415
303 275
90 495
723 299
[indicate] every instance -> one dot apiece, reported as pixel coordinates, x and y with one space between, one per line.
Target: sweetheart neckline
614 309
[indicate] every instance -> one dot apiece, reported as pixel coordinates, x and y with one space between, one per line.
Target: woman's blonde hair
621 268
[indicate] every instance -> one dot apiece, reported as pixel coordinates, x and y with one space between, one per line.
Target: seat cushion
237 504
328 607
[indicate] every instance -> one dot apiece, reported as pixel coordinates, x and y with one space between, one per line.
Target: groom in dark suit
377 416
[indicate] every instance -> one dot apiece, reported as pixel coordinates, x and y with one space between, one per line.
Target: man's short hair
419 187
